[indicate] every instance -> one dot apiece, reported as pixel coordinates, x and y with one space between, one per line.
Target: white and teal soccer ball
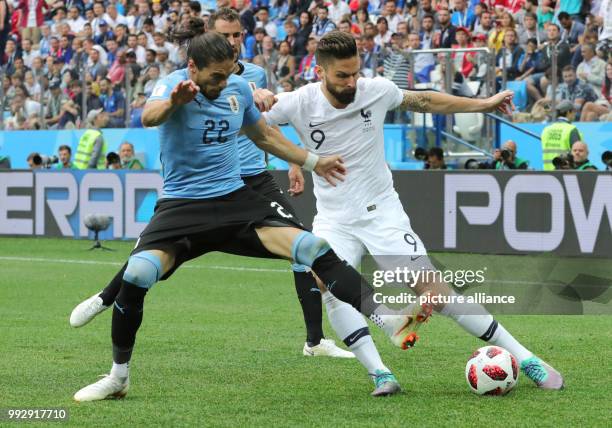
491 370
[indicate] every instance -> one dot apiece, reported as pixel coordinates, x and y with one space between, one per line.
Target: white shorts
384 232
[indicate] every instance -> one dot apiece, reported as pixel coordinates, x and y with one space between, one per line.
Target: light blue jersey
199 150
252 158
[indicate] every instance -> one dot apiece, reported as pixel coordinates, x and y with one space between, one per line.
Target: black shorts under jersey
190 228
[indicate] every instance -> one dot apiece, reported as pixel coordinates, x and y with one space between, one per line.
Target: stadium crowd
64 59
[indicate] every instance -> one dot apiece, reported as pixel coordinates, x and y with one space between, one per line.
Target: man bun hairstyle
184 33
335 45
224 14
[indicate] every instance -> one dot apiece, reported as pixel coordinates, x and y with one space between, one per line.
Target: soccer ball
491 370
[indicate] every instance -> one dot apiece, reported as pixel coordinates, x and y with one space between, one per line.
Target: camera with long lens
44 160
476 164
506 155
420 154
606 158
564 161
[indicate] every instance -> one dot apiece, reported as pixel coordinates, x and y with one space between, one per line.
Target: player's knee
308 247
143 269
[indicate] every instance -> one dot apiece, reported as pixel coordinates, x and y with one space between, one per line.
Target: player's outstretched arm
156 112
271 140
439 102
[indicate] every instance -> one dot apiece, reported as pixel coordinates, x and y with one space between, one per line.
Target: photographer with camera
65 157
505 158
606 158
577 159
433 158
558 137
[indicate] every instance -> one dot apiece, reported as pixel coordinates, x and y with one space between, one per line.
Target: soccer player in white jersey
344 114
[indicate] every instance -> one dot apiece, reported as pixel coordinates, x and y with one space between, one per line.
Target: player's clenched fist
184 92
331 168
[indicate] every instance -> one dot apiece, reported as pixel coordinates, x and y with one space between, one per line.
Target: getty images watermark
501 285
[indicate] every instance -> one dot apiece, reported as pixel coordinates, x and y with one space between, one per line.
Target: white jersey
356 133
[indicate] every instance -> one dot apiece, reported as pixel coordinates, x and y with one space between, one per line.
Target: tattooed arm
438 102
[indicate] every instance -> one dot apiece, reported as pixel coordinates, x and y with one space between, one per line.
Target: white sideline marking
94 262
215 267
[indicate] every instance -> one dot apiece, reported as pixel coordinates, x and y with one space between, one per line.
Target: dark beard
345 97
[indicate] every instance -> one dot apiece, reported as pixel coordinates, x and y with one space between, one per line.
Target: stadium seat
469 125
520 93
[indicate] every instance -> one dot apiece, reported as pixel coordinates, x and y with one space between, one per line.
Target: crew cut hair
224 14
335 45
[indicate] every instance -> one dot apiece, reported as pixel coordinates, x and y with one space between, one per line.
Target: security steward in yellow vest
91 151
557 138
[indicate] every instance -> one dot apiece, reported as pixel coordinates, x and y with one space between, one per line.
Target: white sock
480 323
502 338
351 327
120 371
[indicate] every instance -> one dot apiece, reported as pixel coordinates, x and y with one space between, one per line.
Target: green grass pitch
221 345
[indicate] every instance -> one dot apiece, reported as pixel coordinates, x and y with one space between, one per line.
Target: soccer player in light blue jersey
207 207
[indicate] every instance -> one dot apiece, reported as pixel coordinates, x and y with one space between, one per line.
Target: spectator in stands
306 72
105 33
5 27
508 58
31 17
592 69
389 12
159 16
55 99
530 30
263 21
537 84
528 60
445 35
113 103
32 86
580 155
574 90
496 37
91 150
435 159
132 44
116 73
96 67
27 52
301 37
506 158
121 35
268 58
463 61
485 25
600 109
423 62
285 64
558 137
9 55
337 9
371 57
150 79
128 157
570 29
322 24
361 18
75 20
113 17
64 153
383 36
160 42
136 110
462 16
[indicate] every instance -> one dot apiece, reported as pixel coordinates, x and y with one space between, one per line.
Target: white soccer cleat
402 329
327 348
107 387
87 310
